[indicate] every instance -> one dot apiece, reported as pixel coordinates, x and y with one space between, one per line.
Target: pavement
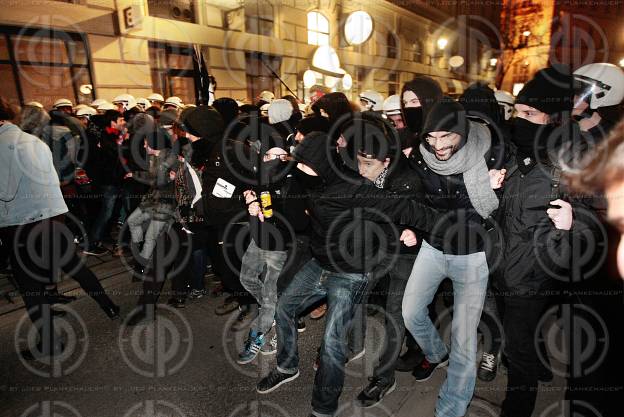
183 365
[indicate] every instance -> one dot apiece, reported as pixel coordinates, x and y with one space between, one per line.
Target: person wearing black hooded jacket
345 241
539 224
417 98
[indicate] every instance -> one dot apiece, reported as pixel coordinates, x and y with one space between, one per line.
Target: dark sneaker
409 360
253 344
374 392
301 325
197 294
228 306
487 367
97 250
274 380
176 302
423 371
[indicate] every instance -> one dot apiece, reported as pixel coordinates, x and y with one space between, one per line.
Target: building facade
87 49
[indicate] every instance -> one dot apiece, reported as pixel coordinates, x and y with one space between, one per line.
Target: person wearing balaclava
453 166
538 222
417 98
274 223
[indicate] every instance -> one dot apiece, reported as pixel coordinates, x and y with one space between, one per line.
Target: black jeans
398 276
520 319
172 257
40 251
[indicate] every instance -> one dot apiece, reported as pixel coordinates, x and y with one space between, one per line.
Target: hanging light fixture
326 61
309 78
358 28
347 82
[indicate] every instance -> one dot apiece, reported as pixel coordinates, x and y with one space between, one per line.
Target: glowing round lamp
358 28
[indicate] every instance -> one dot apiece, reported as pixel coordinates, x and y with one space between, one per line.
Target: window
172 9
259 17
172 70
43 65
391 43
318 29
393 83
260 74
418 52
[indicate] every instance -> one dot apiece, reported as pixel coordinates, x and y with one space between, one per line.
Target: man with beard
341 211
452 163
537 222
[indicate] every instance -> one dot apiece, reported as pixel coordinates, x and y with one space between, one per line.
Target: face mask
531 138
309 182
272 171
413 118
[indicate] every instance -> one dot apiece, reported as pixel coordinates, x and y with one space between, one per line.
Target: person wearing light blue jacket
32 226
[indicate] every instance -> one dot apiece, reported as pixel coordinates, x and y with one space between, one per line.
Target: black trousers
39 252
521 317
172 258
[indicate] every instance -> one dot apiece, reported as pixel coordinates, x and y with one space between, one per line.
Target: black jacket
536 258
462 231
403 180
218 158
289 203
345 216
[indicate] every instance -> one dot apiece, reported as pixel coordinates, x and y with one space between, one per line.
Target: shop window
44 65
318 29
260 74
172 70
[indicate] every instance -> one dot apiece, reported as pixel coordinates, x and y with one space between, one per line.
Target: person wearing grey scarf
451 161
469 160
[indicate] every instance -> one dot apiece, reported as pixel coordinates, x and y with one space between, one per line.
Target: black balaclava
479 101
550 91
428 92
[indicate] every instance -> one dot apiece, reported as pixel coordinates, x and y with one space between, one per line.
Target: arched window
318 29
391 43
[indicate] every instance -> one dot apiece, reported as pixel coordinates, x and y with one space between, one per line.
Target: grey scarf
470 161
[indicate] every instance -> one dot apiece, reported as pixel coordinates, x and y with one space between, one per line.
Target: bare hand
250 196
255 210
408 237
128 175
497 176
561 217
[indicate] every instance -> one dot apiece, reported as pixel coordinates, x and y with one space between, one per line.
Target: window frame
167 71
10 33
317 31
258 18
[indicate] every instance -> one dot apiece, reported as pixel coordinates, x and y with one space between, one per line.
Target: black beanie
313 124
202 121
550 91
446 115
227 107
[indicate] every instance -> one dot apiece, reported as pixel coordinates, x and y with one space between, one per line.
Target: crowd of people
317 208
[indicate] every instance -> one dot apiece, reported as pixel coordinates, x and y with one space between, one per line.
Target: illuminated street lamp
526 33
493 62
442 42
622 62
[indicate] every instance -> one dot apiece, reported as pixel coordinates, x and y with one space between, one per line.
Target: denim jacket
29 185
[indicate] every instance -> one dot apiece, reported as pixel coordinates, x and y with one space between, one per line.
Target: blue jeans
262 286
469 274
310 285
110 193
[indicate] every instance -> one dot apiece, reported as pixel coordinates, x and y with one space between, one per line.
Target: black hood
316 150
426 89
